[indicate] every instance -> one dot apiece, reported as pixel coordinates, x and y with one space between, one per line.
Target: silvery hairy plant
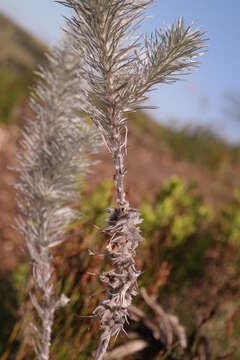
54 153
120 68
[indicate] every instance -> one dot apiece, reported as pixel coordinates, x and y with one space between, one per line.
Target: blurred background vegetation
186 183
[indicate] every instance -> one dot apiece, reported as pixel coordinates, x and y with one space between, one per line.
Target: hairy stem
47 322
119 166
47 330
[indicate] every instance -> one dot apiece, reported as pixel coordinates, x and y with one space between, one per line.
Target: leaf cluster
178 211
120 67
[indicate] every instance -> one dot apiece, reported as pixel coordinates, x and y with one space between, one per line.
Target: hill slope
20 54
155 153
20 51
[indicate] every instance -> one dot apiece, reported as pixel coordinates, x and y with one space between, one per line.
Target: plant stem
119 166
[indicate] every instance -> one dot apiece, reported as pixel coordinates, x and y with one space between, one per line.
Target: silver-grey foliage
54 152
120 68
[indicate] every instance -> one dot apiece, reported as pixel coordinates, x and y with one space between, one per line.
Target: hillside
20 51
19 56
156 153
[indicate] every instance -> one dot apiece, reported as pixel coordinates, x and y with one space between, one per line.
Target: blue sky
200 98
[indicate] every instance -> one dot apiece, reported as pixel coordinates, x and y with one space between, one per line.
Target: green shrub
177 229
13 91
93 205
229 222
178 212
